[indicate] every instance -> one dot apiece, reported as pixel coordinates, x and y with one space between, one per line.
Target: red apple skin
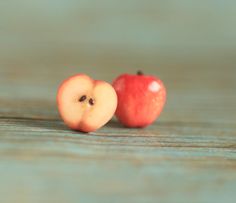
82 116
141 99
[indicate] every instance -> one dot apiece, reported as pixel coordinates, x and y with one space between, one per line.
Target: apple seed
82 98
91 101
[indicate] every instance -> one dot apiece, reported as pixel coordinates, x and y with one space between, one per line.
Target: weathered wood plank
194 162
189 155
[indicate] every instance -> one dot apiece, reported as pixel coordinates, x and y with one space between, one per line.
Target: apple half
86 104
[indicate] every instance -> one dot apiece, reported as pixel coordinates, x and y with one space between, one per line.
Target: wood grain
41 160
188 155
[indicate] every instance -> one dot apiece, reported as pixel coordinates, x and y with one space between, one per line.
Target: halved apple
86 104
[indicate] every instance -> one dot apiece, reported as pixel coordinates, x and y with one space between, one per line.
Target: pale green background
61 31
188 44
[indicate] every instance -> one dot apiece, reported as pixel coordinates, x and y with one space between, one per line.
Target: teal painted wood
188 155
42 160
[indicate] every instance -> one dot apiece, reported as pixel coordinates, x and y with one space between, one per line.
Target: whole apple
86 104
141 99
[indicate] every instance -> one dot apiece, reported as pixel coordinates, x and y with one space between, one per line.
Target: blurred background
190 45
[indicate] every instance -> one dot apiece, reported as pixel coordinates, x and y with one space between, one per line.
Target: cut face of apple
86 104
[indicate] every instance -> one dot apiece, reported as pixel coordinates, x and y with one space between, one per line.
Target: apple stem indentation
83 98
139 72
91 101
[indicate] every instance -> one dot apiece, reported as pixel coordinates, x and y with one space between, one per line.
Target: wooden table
188 155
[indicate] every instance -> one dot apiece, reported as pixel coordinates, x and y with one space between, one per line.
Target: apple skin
85 104
141 99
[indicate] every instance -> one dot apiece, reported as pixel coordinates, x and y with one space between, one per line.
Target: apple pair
86 104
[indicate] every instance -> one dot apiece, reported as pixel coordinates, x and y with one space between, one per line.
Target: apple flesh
86 104
141 99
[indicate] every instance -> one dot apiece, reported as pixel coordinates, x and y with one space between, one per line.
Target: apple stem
139 72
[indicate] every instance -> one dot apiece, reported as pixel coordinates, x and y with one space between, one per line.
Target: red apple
86 104
141 99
